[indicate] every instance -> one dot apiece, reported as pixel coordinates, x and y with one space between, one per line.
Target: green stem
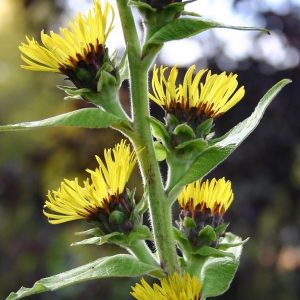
176 168
195 265
116 109
142 252
160 210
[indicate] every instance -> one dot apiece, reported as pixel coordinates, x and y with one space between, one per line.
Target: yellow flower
215 195
81 44
210 97
174 287
106 185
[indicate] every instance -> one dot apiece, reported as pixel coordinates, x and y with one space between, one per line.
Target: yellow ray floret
82 36
174 287
120 162
212 96
73 201
215 195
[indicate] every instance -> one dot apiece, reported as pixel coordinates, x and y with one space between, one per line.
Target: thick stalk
142 252
195 264
160 210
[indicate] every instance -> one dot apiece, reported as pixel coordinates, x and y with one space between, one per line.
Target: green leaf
93 231
190 14
209 251
160 151
107 85
207 234
231 240
182 263
121 265
98 240
193 145
184 130
85 118
139 232
219 230
73 92
189 223
171 122
123 69
205 127
142 205
217 273
182 240
142 5
208 159
117 217
159 131
187 27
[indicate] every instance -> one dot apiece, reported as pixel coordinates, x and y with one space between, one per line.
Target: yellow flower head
195 97
80 45
174 287
105 186
215 196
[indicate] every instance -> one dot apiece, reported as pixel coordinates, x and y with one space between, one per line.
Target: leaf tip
11 296
285 82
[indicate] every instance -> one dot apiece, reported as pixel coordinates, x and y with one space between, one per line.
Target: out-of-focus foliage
265 170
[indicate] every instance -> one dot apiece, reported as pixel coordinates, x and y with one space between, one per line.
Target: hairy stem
142 252
160 210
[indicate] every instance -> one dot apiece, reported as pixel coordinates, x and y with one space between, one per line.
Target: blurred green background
265 170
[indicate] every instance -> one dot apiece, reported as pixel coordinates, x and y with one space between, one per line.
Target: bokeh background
265 170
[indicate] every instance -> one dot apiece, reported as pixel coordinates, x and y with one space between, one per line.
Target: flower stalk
160 210
140 250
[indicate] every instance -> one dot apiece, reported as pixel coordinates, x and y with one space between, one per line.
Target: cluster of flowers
78 52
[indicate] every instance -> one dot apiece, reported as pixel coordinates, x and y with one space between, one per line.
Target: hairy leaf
97 240
218 272
209 251
85 118
121 265
231 240
139 232
187 27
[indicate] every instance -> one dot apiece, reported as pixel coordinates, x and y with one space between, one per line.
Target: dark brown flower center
202 217
121 207
192 115
86 66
